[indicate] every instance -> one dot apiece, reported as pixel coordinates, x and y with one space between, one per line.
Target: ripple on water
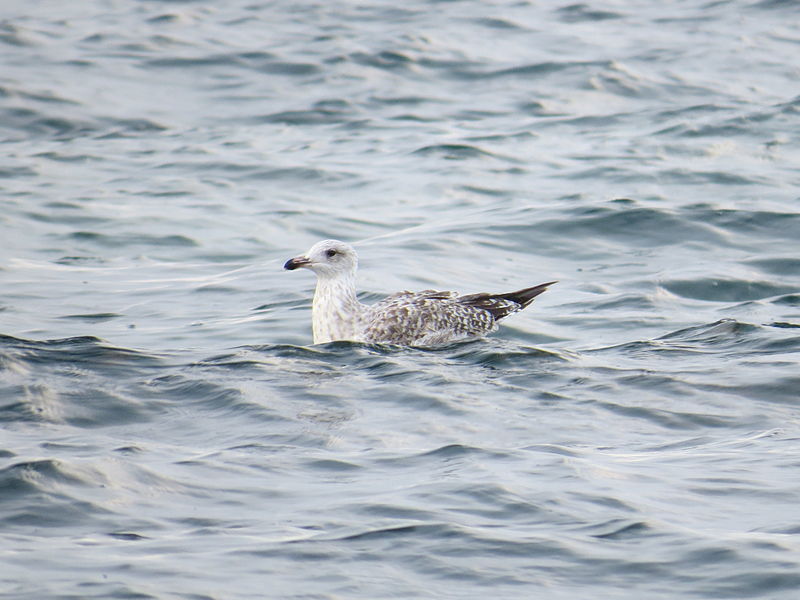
122 240
643 445
50 494
725 290
752 222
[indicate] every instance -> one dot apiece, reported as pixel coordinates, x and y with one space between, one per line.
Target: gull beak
296 263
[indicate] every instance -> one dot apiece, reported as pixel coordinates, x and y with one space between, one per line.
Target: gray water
168 430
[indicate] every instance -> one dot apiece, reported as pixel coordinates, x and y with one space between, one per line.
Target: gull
421 318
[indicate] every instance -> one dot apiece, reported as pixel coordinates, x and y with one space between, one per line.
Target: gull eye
330 253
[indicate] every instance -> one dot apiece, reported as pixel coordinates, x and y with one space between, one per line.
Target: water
168 431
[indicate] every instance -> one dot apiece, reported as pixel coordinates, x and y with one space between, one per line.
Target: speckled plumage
405 318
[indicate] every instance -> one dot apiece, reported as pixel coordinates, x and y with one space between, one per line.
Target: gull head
328 258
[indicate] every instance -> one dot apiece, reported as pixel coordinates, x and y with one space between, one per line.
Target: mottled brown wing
427 317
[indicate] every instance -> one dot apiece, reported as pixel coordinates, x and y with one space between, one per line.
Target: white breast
335 313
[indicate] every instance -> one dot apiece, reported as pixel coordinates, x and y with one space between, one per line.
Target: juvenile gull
405 318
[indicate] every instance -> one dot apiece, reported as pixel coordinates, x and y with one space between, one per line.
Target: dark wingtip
502 305
525 296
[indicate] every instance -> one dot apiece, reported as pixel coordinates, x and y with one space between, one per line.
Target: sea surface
167 428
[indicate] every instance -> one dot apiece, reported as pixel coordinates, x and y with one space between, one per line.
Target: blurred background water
169 431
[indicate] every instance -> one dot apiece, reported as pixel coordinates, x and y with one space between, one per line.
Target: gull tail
502 305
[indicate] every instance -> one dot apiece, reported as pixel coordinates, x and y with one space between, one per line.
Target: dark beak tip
295 263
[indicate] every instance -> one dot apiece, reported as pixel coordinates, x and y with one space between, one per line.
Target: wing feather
434 317
426 317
